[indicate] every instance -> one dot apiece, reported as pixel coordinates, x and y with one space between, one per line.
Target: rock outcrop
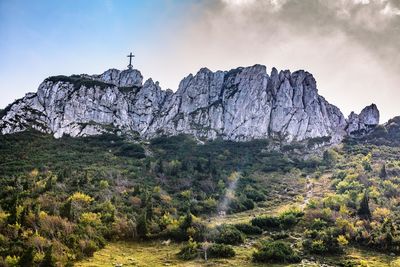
241 104
364 122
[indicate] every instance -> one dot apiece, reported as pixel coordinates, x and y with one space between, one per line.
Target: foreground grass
154 253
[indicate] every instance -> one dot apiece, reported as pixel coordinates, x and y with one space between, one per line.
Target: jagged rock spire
364 122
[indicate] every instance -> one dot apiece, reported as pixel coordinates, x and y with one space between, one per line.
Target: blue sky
352 47
45 37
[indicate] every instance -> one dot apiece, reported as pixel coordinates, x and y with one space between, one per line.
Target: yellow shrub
380 213
12 260
3 216
342 240
81 197
90 218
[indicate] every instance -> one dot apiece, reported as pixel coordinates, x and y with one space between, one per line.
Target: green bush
322 241
228 234
255 195
248 229
318 224
220 251
189 251
275 252
290 218
285 220
240 204
266 222
279 235
131 150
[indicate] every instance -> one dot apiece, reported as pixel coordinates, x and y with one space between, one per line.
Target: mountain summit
240 104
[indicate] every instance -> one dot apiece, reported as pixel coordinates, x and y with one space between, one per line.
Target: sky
352 47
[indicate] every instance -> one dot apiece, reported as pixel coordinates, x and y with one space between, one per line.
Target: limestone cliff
241 104
364 122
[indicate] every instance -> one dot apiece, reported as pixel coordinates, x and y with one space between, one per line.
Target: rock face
363 123
241 104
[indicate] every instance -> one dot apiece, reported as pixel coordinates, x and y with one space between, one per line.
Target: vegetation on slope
75 194
78 81
63 199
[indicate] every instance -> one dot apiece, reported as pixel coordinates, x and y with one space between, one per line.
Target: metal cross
130 60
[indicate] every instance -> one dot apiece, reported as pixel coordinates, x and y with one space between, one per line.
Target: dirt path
309 192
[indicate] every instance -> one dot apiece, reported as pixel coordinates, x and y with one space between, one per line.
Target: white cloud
390 11
349 45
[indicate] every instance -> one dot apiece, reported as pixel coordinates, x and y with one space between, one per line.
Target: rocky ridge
240 104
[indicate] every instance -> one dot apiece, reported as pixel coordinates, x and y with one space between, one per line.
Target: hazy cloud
351 46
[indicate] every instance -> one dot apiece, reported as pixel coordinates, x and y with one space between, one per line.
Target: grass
154 253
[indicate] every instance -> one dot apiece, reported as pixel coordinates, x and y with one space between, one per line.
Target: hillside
236 167
63 199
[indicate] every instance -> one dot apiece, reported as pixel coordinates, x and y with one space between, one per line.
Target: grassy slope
156 254
283 186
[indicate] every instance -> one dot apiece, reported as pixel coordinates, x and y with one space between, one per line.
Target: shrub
330 157
318 246
131 150
285 220
78 81
12 261
189 251
240 204
323 241
228 234
88 247
220 251
81 197
248 229
275 252
254 195
318 224
288 221
342 240
279 235
266 222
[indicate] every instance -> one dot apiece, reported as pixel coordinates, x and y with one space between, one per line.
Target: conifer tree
48 260
27 258
364 211
141 227
383 173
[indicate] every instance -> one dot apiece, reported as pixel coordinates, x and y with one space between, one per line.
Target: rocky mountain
364 122
240 104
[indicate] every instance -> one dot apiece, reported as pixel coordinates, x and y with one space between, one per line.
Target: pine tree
149 209
66 210
49 184
187 221
364 211
27 258
141 227
48 260
383 173
160 167
13 217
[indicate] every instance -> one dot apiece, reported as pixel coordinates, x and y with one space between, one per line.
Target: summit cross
130 60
